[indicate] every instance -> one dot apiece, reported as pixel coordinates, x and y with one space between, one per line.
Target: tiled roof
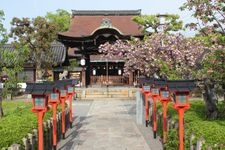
58 49
86 23
101 58
59 52
106 12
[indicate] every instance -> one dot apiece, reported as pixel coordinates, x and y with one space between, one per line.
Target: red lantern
155 95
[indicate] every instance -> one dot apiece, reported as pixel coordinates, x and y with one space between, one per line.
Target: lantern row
163 90
52 93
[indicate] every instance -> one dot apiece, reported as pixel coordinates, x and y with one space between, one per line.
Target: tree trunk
39 74
1 109
223 87
210 99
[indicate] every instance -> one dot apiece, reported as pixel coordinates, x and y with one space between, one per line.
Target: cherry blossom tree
210 22
168 56
210 14
157 52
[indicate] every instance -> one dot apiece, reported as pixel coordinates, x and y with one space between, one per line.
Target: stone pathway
104 125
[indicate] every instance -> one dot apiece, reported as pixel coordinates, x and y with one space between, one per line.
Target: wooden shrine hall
88 30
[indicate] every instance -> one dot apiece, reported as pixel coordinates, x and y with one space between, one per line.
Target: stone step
110 90
103 96
102 93
107 98
105 93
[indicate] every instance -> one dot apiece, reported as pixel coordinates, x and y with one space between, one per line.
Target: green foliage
173 23
37 34
211 39
147 21
172 140
3 40
3 34
154 23
61 18
14 62
73 64
168 72
214 66
18 121
195 122
210 24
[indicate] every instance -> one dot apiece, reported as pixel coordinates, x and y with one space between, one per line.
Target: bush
17 122
195 122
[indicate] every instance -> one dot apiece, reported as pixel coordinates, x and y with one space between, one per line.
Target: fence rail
110 80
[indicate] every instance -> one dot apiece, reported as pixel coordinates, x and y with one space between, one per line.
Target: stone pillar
139 108
200 143
131 78
14 147
83 77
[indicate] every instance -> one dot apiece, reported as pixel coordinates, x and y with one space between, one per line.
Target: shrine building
88 30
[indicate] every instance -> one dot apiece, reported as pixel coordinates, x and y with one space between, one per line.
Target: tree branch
218 23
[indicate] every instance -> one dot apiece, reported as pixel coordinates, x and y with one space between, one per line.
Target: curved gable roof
85 23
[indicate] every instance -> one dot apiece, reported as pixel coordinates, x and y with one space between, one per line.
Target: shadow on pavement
72 134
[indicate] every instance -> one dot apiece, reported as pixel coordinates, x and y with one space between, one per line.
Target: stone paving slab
105 125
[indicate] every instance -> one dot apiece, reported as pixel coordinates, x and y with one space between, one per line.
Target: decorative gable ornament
106 23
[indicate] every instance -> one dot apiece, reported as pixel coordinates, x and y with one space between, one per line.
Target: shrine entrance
105 72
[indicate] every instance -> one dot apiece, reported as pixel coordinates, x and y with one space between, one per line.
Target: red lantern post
181 104
146 92
154 94
39 93
63 96
40 107
181 94
71 93
54 101
164 98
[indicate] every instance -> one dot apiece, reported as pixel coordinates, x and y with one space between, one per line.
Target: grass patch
18 120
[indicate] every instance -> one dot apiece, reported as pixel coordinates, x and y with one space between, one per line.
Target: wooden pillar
83 77
131 78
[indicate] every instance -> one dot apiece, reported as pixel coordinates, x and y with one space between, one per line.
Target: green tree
3 34
155 22
61 18
73 64
3 40
13 65
213 67
37 34
210 15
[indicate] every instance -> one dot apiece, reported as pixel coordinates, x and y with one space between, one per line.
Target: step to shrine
105 93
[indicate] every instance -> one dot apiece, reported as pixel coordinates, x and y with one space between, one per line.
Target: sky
33 8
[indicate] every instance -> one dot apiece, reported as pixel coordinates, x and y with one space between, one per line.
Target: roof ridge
106 12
